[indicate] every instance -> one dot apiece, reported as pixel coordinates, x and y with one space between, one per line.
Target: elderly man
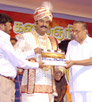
39 85
79 54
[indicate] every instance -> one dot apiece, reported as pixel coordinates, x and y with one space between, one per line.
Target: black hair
4 18
82 22
63 45
13 39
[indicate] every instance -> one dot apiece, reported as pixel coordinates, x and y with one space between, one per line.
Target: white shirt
80 77
9 60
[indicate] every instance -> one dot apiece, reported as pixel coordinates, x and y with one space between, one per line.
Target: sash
30 87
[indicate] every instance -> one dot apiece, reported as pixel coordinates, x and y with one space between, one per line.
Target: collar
4 35
87 39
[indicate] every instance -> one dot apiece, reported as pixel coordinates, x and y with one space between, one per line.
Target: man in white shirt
79 56
9 61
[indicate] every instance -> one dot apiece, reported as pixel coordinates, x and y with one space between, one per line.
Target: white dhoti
36 97
43 88
81 96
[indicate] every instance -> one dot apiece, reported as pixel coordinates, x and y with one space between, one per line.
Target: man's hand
38 50
20 71
41 64
60 99
57 99
69 64
19 36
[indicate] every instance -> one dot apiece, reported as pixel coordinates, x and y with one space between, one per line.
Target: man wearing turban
37 85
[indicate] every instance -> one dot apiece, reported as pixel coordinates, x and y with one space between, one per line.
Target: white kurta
80 76
43 78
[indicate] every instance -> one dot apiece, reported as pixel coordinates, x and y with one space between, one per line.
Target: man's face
78 32
42 25
58 75
7 27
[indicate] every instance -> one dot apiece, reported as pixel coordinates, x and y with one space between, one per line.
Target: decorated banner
60 28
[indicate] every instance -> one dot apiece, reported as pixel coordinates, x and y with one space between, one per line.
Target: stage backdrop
60 28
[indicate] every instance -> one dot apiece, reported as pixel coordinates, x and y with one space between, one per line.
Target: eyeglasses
4 24
75 31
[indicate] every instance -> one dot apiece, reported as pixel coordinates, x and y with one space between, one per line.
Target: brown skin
7 27
58 75
41 65
38 50
42 26
86 62
62 94
13 42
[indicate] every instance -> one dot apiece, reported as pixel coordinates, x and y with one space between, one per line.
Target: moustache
43 26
